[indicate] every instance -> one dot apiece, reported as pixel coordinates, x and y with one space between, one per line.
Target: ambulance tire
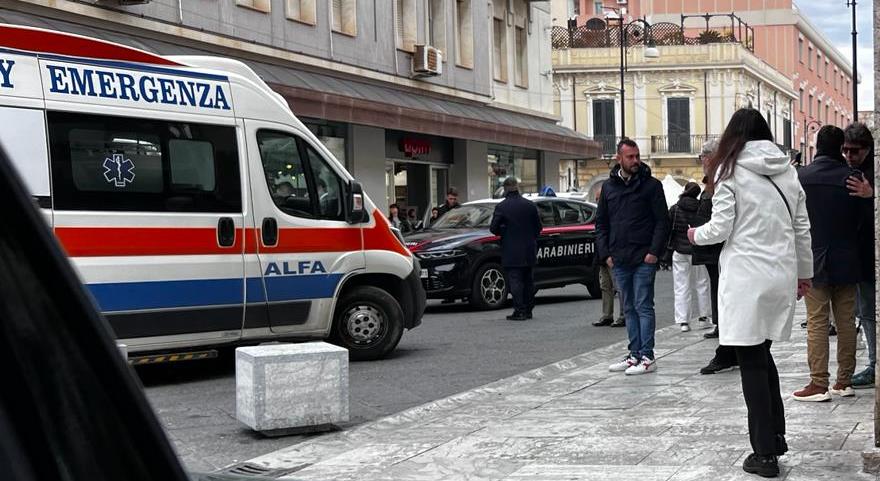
368 322
489 288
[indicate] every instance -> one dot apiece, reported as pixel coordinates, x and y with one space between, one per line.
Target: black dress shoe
715 366
712 335
529 315
518 316
605 321
764 466
619 322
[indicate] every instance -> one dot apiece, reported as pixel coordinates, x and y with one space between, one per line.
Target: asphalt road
452 351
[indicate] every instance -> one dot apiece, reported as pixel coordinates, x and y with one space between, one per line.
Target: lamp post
855 61
810 123
616 19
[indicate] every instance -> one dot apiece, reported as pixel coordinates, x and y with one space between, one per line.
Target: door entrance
416 187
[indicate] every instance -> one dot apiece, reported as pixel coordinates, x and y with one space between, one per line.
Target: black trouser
723 354
760 383
522 288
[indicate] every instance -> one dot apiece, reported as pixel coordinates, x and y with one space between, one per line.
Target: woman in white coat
759 211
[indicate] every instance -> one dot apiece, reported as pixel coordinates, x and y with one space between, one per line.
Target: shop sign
412 147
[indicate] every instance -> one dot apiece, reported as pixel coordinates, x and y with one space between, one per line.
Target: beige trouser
606 283
843 300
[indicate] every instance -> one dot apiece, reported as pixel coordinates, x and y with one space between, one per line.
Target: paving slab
574 420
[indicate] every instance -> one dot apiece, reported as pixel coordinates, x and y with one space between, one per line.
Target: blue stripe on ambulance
131 296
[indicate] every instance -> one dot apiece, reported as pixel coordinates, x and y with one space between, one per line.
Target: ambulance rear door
305 246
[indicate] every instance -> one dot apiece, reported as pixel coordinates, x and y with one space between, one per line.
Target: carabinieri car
461 259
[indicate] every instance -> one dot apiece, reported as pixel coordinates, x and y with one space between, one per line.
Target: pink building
783 38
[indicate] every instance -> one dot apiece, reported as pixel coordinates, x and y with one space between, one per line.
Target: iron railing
608 142
679 143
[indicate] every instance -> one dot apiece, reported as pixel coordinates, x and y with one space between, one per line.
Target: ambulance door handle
270 231
226 232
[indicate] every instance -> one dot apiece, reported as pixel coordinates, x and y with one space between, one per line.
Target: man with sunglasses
858 149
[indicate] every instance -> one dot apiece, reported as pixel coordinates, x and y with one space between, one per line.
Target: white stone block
286 388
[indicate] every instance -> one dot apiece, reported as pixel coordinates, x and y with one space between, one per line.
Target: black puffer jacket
682 215
705 255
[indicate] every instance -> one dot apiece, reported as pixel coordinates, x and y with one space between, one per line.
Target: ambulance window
94 151
192 164
329 187
285 173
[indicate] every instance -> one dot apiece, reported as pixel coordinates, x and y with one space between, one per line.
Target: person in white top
759 211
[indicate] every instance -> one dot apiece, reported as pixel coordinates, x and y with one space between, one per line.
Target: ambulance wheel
368 322
489 287
592 285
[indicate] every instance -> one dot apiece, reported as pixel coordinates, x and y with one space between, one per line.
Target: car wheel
489 287
368 322
593 285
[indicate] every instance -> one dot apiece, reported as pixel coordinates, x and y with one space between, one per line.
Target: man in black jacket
835 220
631 231
517 222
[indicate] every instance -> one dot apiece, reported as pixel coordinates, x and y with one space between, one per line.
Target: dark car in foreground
461 259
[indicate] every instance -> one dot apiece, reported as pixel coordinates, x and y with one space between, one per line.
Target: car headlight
444 254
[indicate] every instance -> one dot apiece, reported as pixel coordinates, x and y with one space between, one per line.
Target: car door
575 240
544 269
303 243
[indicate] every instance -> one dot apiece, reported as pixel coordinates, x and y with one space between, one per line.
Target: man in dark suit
835 220
517 222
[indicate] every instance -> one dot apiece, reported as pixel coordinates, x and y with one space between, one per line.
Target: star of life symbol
118 170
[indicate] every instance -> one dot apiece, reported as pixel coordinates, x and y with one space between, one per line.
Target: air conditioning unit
427 60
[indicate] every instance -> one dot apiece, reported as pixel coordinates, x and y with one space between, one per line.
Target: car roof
534 198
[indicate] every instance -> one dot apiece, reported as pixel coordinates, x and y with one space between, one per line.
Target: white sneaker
623 365
845 391
643 367
685 327
705 323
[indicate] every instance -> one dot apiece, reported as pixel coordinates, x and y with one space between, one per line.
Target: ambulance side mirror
357 214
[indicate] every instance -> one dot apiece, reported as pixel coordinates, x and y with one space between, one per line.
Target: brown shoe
842 390
812 393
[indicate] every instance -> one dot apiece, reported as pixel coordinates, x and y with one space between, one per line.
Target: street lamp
855 64
615 19
811 123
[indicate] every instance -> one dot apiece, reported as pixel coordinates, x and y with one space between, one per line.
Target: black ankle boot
764 466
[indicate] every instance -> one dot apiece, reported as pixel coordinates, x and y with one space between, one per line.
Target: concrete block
291 388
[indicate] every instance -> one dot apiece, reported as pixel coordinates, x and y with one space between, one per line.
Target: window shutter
337 15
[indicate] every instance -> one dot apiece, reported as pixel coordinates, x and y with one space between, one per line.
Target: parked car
461 259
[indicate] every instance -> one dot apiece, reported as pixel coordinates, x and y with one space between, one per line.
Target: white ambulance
197 209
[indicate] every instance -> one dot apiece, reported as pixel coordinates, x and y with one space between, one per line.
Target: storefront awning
325 96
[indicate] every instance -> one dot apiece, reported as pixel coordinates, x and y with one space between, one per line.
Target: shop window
344 16
437 24
123 164
259 5
515 162
333 135
464 26
301 11
405 22
499 42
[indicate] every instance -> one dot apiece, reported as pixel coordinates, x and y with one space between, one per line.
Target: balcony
679 143
608 143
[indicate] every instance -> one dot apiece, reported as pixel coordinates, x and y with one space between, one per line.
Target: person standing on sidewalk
631 230
858 149
759 211
725 356
690 283
517 222
609 292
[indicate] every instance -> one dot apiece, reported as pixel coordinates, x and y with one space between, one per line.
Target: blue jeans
636 286
866 318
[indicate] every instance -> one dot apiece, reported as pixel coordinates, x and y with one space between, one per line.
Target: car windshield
466 216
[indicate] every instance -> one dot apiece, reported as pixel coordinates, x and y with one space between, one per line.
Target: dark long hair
746 125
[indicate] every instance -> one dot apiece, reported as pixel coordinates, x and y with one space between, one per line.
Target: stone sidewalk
573 420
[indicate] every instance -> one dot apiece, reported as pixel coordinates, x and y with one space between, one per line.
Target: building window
786 133
604 125
405 22
521 40
259 5
801 100
516 162
819 65
344 16
810 106
600 7
827 79
810 58
301 11
574 8
464 26
499 42
828 119
437 24
678 124
801 50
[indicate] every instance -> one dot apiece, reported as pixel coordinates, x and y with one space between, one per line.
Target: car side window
569 213
328 186
589 213
545 211
285 173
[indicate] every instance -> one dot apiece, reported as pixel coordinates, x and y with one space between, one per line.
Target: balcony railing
609 143
679 143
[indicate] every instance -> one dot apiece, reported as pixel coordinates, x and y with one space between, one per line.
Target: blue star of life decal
118 170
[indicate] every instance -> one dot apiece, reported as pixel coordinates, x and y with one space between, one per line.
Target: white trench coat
766 249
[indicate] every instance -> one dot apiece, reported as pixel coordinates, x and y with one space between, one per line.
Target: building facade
780 35
673 103
406 123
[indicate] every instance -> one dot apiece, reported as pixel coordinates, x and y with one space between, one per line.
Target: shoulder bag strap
672 229
784 199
